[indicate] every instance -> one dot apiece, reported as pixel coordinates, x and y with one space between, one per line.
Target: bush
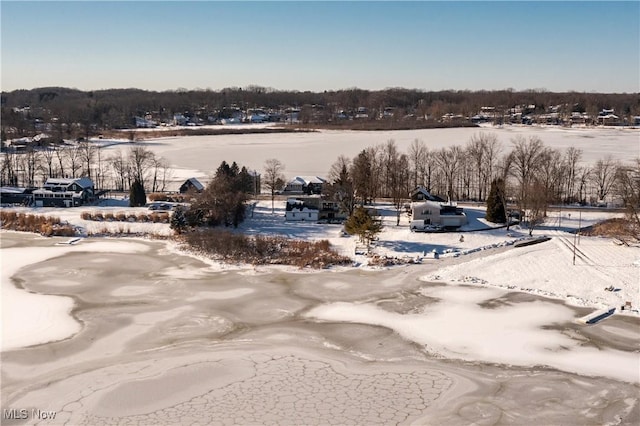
45 225
158 196
261 250
85 215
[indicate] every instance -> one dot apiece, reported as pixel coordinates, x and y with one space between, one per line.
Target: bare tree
399 183
417 157
72 154
475 150
572 157
550 174
526 156
87 154
48 156
448 160
60 156
482 150
9 169
140 161
537 202
603 175
30 163
120 167
273 178
493 148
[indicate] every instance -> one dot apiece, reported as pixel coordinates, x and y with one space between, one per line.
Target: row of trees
529 173
75 112
117 171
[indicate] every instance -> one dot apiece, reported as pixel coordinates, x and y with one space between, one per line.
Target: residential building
431 213
64 192
313 208
304 185
191 184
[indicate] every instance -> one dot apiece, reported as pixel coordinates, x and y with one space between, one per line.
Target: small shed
191 184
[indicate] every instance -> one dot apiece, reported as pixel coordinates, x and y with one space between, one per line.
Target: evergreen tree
223 202
362 224
137 195
178 221
496 202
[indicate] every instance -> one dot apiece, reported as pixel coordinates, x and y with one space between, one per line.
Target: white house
298 210
430 213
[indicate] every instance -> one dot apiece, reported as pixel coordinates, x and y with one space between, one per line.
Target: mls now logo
15 414
24 414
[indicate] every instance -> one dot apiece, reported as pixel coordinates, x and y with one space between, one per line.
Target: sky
302 45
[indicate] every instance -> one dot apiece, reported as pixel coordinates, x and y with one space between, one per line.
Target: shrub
158 196
263 250
85 215
98 216
109 216
121 217
45 225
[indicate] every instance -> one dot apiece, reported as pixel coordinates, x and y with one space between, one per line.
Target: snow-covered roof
83 182
12 190
196 183
306 180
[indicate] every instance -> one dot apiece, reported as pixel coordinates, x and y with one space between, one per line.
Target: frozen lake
164 338
313 153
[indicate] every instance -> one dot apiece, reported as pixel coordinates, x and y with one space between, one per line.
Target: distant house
304 185
606 117
144 122
431 213
421 194
64 192
191 184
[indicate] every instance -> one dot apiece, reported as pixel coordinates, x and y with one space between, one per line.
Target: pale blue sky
558 46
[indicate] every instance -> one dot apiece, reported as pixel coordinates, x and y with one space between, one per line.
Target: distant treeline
82 113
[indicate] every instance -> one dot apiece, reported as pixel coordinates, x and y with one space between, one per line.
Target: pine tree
137 195
496 202
178 221
362 224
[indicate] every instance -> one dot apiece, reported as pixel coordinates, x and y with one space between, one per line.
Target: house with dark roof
191 184
421 194
15 195
304 185
64 192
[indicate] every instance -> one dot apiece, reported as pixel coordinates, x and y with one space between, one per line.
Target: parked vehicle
421 226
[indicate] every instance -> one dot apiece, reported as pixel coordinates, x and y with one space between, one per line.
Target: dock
597 316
